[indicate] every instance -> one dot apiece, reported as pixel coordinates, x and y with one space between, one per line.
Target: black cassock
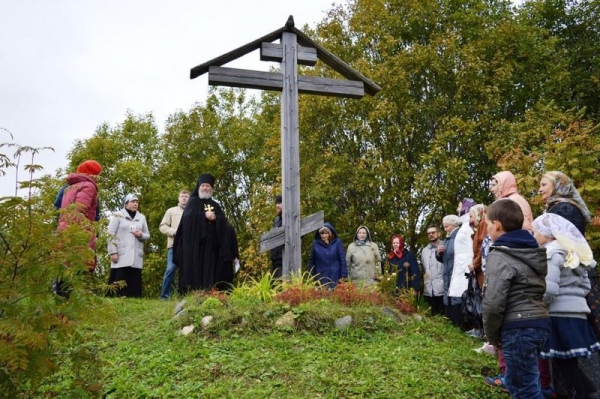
228 253
197 246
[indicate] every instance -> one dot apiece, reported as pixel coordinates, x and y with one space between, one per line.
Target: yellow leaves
17 342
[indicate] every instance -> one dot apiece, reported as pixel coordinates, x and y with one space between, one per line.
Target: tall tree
452 72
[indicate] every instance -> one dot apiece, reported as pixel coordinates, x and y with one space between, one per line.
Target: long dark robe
196 248
228 253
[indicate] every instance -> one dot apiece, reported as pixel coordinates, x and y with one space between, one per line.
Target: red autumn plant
348 293
295 295
345 293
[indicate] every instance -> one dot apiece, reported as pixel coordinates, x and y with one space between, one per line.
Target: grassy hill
242 354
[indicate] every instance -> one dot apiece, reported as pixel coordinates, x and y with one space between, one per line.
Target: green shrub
35 324
263 289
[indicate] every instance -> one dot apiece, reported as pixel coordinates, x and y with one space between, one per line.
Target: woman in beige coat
363 258
128 230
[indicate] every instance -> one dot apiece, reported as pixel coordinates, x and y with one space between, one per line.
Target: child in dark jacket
515 318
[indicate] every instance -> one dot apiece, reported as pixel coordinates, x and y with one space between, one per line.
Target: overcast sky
68 66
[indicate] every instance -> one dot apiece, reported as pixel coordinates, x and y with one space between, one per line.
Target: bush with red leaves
348 294
345 293
296 295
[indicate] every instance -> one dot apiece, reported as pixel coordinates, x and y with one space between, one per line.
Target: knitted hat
129 197
206 178
90 167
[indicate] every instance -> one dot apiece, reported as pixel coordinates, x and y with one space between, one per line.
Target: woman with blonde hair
562 198
480 244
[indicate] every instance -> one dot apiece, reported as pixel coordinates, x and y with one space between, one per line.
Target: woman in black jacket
562 198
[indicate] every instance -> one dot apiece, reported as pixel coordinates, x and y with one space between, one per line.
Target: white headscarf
568 236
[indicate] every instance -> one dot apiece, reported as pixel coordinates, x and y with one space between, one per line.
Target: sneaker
496 381
486 348
475 333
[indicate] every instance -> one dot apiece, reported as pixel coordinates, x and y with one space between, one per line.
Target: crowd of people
537 277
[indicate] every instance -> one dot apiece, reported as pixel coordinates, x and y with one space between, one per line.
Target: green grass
144 356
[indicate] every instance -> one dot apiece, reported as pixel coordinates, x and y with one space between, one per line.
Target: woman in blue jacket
328 258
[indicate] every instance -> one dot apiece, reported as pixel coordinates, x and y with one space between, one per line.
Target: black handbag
593 300
471 301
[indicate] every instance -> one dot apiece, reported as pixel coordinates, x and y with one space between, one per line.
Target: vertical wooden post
290 156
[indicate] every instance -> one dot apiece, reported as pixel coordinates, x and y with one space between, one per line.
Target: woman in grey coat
363 259
128 230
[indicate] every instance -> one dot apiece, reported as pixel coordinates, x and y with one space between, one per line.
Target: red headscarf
400 251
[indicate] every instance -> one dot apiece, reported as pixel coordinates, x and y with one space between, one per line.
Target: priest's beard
205 195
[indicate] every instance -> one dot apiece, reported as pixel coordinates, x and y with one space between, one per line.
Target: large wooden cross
294 48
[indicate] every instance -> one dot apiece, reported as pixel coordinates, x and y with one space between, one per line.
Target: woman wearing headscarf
562 198
567 283
363 259
327 260
405 264
128 230
463 252
504 185
477 222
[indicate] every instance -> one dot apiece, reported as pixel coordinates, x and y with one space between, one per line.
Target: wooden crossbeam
274 52
331 87
276 237
328 58
233 77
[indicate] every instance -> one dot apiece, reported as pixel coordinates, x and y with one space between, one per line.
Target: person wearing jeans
168 226
521 348
515 318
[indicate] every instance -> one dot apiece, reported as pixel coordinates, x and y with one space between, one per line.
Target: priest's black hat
206 178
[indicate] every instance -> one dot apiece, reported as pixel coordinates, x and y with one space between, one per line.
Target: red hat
90 167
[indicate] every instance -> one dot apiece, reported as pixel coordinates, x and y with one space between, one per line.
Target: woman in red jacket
82 192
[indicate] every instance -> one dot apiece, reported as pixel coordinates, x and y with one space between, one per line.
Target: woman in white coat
128 230
463 253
